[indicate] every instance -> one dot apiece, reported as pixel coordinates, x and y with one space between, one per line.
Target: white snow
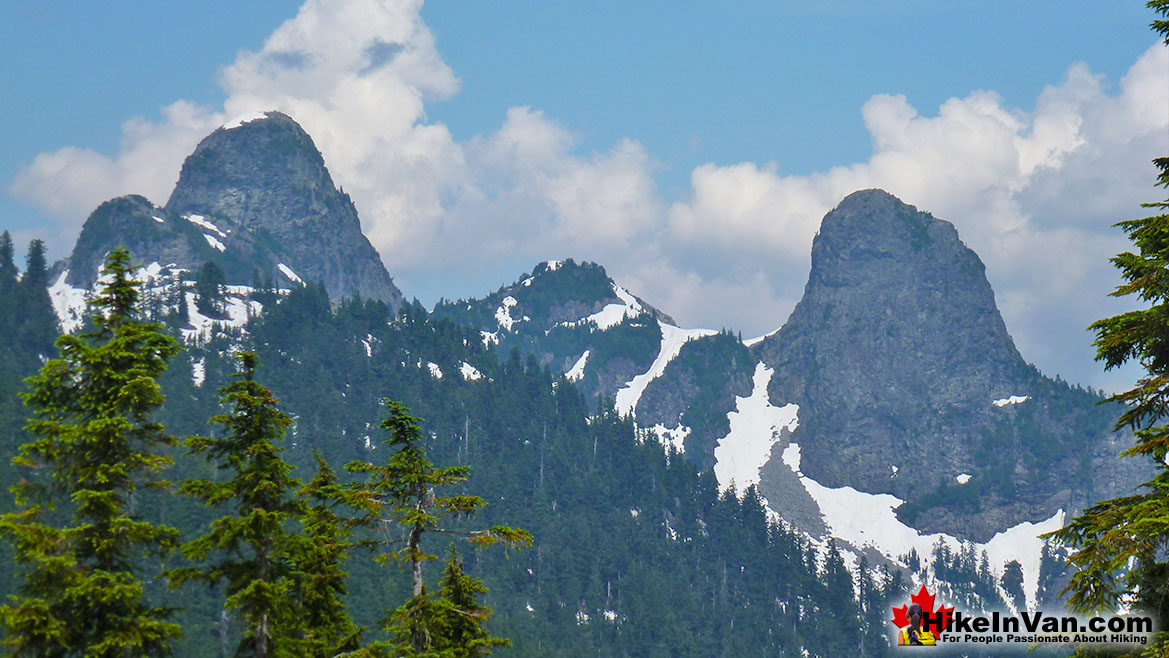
287 271
201 222
489 337
198 372
469 372
237 307
675 437
158 219
435 371
553 265
503 313
368 347
756 426
759 339
1014 399
213 242
610 615
962 478
577 370
68 303
866 519
244 118
673 339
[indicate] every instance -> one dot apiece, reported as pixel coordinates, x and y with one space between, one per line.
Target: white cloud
1033 192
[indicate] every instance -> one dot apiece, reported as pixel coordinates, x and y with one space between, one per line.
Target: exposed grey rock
268 178
895 354
264 188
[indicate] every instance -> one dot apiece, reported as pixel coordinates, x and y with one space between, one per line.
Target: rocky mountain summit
908 383
572 318
255 196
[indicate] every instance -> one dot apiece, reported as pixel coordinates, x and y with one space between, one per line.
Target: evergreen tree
1134 529
209 285
35 322
403 493
253 541
465 635
320 581
92 445
7 261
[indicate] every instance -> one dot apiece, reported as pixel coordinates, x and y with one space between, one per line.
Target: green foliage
403 493
75 530
253 543
317 561
209 287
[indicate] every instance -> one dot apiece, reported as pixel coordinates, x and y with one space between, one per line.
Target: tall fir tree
36 323
317 560
465 636
252 543
75 532
403 493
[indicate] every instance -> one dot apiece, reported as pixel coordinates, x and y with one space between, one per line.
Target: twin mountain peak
893 356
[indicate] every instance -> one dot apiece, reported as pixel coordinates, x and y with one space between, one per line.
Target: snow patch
435 371
577 370
759 339
962 478
673 339
244 118
287 271
489 337
675 437
158 219
865 519
68 303
503 313
1014 399
213 242
198 372
756 426
201 222
368 348
553 265
469 372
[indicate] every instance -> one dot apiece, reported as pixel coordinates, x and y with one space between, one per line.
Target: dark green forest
635 553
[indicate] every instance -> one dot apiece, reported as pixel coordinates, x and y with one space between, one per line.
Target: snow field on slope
673 339
287 271
756 426
866 519
577 370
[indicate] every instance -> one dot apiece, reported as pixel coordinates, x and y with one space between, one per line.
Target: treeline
634 551
276 553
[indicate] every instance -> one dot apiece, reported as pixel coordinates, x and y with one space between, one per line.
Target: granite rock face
253 197
897 355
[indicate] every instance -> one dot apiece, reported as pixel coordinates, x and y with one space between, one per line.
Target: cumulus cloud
1032 191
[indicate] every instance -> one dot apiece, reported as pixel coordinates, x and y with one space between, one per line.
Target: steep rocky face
908 383
266 176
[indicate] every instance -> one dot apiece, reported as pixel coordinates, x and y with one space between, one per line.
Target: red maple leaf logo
926 601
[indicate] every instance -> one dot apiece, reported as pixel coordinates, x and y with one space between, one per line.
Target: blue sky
689 147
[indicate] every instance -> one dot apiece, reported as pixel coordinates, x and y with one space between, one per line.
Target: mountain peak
254 196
